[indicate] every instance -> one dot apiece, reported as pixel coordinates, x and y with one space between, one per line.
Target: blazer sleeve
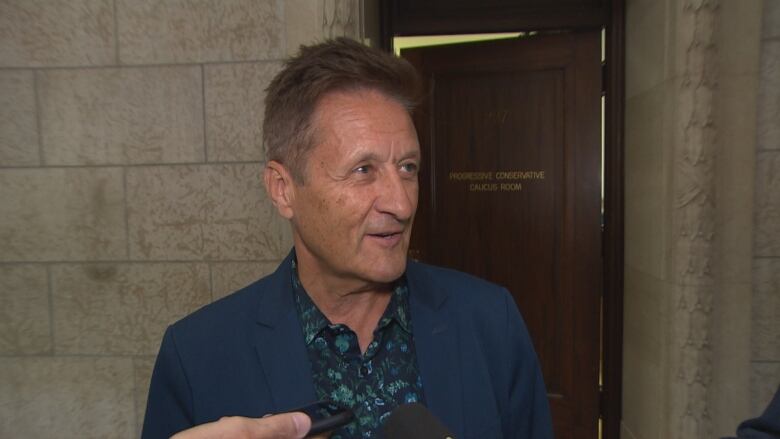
169 405
528 396
766 426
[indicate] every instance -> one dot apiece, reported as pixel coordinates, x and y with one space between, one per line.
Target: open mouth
386 238
385 235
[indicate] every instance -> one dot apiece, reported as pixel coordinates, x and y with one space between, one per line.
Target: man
346 316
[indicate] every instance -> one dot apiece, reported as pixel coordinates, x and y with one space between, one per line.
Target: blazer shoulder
218 317
458 285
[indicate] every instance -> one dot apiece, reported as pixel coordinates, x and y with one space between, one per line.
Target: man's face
352 217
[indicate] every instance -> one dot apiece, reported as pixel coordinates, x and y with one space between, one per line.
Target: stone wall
765 352
130 188
702 318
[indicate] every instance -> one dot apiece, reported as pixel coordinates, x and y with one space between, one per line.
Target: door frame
607 14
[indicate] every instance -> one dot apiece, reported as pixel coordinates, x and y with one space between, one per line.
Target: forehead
360 118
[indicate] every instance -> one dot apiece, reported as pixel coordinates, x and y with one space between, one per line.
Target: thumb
293 425
302 423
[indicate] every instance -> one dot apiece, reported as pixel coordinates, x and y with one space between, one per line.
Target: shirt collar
313 321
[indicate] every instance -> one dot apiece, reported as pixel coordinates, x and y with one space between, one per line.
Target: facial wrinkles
358 126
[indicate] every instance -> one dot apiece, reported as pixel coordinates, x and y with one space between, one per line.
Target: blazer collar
437 348
279 343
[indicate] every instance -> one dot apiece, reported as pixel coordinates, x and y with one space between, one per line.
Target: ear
279 186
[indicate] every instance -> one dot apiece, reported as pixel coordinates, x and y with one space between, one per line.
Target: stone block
739 55
73 397
303 24
765 341
56 33
62 214
646 58
235 108
142 368
207 212
24 310
625 431
767 204
122 116
644 305
228 277
764 382
311 21
771 24
644 333
647 145
193 31
769 97
736 162
18 129
122 309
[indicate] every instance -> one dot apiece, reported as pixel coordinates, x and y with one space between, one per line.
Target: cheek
413 193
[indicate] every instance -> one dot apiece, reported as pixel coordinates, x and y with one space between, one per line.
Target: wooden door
511 191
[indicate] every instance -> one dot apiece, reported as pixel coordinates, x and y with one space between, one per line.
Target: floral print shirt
373 383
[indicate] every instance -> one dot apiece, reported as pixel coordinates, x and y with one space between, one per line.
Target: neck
354 303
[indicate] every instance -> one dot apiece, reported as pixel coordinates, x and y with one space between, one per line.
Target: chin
388 272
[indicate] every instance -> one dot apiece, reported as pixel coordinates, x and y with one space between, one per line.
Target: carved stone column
694 243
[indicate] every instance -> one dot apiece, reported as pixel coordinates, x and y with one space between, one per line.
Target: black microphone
414 421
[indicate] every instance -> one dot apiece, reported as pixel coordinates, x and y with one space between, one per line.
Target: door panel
510 192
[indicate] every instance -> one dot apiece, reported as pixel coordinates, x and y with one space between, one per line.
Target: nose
397 196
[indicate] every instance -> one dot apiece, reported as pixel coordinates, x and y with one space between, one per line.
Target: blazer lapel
280 345
438 354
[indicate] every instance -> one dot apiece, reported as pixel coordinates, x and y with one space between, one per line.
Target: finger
286 425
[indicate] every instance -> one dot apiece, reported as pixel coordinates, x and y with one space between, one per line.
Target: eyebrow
371 156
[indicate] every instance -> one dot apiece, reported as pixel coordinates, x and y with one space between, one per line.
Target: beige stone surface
644 337
62 214
56 33
122 116
647 168
739 55
24 310
766 310
625 431
235 108
736 162
646 58
153 32
18 130
764 382
207 212
303 25
767 204
75 397
731 350
142 368
731 353
771 23
769 97
122 308
228 277
311 21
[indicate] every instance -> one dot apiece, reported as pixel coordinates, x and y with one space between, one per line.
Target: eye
365 169
410 167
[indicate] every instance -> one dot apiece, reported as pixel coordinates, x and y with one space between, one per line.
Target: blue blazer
244 355
766 426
